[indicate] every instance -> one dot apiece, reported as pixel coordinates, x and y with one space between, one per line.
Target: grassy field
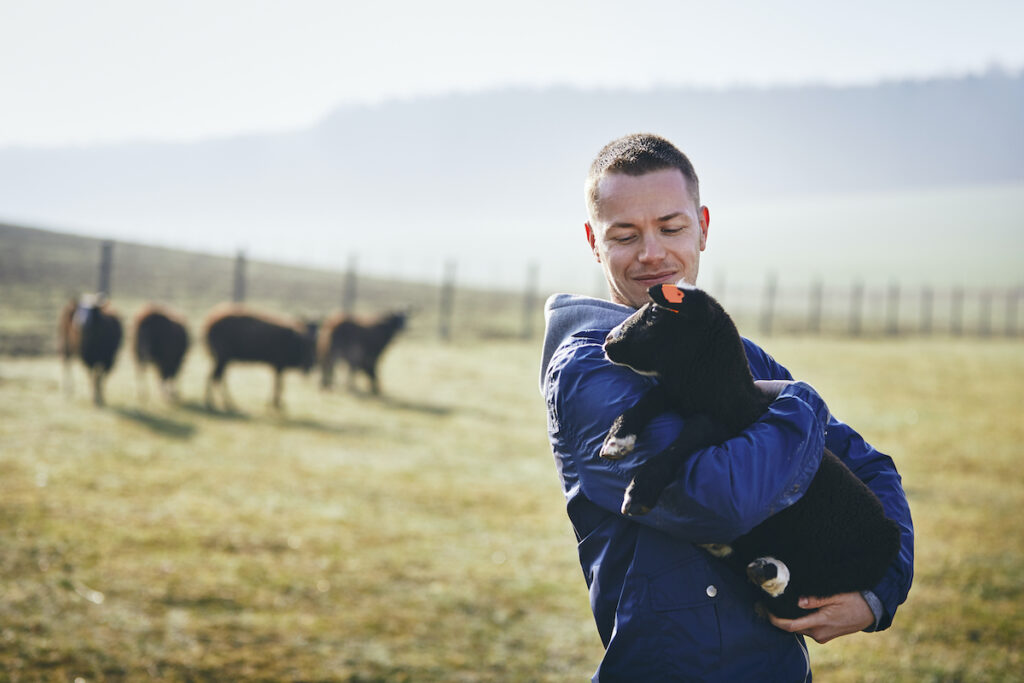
422 536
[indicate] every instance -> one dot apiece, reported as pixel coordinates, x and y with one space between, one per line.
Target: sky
80 72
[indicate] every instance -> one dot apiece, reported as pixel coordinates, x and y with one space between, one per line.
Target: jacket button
711 591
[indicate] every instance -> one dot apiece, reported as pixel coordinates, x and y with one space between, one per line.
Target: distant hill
494 178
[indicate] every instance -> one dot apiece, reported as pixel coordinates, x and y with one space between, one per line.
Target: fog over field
921 181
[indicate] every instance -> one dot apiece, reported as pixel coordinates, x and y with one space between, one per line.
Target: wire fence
864 309
40 271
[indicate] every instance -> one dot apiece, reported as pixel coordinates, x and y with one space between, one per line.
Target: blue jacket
665 609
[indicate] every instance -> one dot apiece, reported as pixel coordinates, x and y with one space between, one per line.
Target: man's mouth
656 278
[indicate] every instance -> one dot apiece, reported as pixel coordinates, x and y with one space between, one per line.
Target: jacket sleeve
878 471
720 492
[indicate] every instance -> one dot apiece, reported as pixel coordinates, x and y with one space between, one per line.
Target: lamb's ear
667 295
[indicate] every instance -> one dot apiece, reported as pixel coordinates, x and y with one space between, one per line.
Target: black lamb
235 333
834 539
360 342
90 328
161 339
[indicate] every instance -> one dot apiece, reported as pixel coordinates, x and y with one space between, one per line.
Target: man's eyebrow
671 216
660 219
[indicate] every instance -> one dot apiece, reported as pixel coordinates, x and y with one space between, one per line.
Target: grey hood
568 314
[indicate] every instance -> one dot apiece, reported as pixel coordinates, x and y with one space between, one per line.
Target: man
665 609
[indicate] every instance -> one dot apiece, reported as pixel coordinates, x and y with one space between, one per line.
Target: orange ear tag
672 294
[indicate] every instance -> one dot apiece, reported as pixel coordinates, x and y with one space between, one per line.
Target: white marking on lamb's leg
718 549
776 585
617 448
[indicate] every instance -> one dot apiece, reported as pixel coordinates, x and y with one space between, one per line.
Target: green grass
422 536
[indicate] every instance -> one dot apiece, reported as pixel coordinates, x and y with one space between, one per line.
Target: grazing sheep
359 343
90 329
834 539
234 333
161 338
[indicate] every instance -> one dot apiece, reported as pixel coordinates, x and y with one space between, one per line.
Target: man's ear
705 221
592 241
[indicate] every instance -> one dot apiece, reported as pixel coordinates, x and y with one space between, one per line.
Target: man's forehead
654 194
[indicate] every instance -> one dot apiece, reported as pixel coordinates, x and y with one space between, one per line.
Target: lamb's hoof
631 505
769 574
718 549
632 508
616 448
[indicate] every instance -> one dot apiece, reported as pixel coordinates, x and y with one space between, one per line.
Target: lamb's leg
371 372
97 385
651 478
215 377
140 382
327 371
68 379
622 436
276 400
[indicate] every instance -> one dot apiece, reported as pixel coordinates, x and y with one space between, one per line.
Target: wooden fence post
106 265
814 314
956 313
447 301
927 298
1012 303
348 292
768 306
856 308
530 300
892 306
985 313
238 293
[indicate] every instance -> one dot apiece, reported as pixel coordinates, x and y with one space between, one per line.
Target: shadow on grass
414 406
201 409
158 423
397 403
281 419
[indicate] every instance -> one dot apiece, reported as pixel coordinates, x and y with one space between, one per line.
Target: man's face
647 230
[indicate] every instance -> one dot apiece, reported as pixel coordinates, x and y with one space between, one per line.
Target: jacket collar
567 315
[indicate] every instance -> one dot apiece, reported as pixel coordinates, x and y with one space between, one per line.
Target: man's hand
835 616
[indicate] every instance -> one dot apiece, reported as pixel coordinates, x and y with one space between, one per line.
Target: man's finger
801 624
813 602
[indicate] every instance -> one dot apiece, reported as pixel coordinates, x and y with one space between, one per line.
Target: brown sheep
234 333
161 338
90 329
359 343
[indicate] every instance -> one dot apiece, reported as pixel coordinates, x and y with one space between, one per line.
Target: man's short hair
637 154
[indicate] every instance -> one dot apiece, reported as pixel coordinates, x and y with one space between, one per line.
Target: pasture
422 536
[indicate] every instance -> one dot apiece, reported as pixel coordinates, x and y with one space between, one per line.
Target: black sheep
834 539
161 338
234 333
359 343
90 329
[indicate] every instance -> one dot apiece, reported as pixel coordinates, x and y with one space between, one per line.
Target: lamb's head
680 322
89 308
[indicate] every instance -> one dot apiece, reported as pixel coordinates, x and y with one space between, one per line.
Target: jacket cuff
806 393
876 609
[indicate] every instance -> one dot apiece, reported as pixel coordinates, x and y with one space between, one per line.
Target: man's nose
651 249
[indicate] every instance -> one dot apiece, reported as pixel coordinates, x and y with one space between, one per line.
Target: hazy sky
77 71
